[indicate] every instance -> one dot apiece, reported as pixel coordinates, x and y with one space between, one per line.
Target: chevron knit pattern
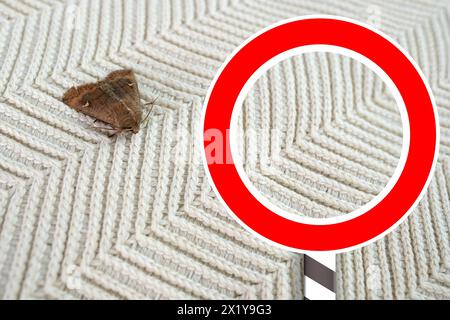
133 217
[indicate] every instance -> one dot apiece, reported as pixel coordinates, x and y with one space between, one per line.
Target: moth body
114 100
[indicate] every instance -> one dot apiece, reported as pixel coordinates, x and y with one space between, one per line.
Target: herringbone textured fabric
87 216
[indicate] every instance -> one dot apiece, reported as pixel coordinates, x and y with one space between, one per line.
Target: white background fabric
86 216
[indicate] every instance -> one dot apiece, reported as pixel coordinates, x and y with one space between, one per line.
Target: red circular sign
422 150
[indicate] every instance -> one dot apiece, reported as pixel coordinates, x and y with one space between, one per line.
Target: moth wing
91 100
124 85
122 74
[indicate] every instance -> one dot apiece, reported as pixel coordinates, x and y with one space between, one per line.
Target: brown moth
114 100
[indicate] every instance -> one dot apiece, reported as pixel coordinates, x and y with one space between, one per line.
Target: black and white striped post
320 276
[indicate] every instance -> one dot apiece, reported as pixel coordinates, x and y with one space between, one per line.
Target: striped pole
320 276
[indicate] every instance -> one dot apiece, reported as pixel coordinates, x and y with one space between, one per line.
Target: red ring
421 153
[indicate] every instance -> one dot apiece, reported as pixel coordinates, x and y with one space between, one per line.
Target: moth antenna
152 103
148 113
151 109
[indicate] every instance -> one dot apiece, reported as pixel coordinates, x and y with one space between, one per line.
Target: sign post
319 269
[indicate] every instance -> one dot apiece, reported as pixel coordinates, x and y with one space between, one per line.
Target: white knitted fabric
316 142
86 216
